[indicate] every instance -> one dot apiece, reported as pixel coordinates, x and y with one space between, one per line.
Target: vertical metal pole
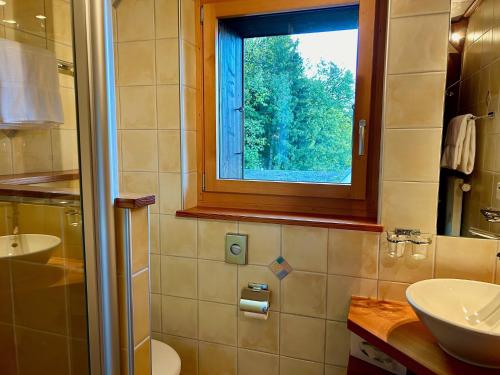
94 65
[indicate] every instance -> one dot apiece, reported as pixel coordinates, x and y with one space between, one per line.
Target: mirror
469 191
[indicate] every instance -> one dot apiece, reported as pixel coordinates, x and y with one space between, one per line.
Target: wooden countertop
21 185
39 177
394 328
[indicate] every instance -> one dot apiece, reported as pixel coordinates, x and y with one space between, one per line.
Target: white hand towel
29 86
460 144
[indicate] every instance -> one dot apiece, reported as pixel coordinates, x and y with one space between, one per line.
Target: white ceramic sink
463 315
30 247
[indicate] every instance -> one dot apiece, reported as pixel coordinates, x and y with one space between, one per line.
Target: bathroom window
287 99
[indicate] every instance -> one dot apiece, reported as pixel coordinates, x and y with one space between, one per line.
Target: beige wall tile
179 277
178 236
22 11
129 14
218 323
217 359
42 353
189 185
418 44
388 290
170 193
79 356
251 363
264 242
141 307
69 107
259 274
188 64
409 205
32 152
167 97
169 142
156 312
262 335
65 149
353 253
187 350
305 248
48 302
302 337
189 161
188 27
212 237
131 73
341 289
59 29
5 293
140 238
423 108
337 343
411 7
155 268
304 293
400 148
292 366
166 18
217 281
180 316
140 150
465 258
167 65
405 269
138 107
5 155
189 112
154 233
142 358
335 370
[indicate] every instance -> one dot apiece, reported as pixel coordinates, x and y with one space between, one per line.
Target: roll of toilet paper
258 307
256 315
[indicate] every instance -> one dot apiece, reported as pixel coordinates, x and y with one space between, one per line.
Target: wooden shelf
394 328
134 201
281 218
39 177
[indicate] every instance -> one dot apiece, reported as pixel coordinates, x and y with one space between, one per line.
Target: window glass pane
298 101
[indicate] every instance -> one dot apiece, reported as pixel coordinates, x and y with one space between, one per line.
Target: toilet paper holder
255 298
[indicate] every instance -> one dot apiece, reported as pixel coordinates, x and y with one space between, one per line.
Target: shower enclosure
58 302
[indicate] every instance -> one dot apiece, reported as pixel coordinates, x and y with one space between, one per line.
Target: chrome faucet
491 214
15 219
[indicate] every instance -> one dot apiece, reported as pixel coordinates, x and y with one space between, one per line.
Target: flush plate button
236 248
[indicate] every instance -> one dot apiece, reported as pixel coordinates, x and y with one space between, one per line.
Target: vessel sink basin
463 315
29 247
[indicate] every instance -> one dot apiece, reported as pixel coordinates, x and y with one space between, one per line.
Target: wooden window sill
281 218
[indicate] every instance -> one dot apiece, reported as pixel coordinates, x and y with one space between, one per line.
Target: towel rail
66 67
490 115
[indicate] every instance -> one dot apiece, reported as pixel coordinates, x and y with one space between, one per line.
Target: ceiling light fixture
40 17
2 3
10 22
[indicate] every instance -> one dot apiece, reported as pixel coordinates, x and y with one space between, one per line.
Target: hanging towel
29 87
460 144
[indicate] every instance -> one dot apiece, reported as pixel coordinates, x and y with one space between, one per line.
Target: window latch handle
239 109
361 127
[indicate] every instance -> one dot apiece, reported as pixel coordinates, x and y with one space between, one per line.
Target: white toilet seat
165 360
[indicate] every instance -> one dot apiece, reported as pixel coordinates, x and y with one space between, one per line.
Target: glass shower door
57 184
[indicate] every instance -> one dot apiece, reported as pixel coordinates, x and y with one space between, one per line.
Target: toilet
165 360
